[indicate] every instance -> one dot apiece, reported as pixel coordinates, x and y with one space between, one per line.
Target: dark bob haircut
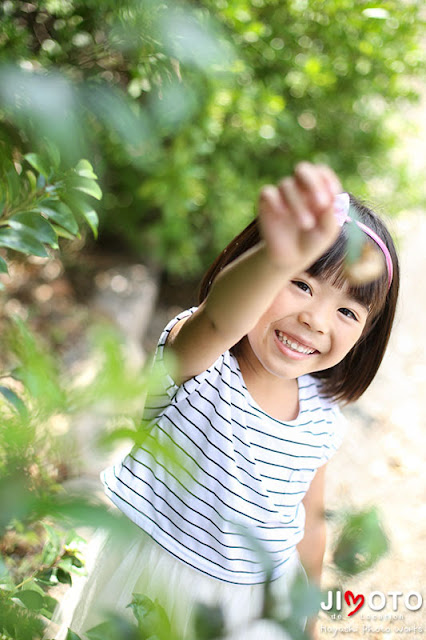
347 380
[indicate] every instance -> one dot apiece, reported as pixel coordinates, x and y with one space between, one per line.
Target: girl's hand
297 217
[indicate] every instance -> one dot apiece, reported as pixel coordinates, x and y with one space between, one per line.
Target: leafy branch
44 203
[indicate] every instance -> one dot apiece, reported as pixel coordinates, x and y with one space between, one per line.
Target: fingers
270 201
297 218
319 183
306 197
295 200
274 221
310 193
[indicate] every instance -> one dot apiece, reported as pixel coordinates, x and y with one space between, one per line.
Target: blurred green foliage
185 109
39 548
361 542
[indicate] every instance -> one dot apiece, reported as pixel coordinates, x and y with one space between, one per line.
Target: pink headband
341 210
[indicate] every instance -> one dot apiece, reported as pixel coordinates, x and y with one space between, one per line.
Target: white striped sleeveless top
217 482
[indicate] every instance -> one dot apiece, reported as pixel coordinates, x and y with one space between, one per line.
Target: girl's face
310 326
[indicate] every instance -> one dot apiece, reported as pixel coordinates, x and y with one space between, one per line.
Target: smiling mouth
293 344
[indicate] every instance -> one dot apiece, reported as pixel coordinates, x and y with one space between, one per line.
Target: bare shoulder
174 332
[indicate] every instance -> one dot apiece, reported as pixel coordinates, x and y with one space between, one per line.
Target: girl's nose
317 318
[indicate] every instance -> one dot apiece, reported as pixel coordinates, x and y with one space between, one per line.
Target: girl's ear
347 381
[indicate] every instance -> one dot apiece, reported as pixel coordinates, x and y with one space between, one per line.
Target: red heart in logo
348 596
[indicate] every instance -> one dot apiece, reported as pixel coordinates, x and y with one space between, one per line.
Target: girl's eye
348 313
302 285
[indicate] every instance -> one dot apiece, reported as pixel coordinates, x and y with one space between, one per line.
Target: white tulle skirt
143 567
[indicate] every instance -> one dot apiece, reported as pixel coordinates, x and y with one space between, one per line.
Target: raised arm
297 226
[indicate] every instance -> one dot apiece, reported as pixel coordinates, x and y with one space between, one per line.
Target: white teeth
294 345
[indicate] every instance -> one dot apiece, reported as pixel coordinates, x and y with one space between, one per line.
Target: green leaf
45 577
49 607
36 224
13 184
86 185
22 241
361 543
292 628
60 213
32 180
80 206
209 621
52 533
116 628
123 119
33 586
31 599
50 553
16 500
194 42
52 547
85 169
3 266
38 163
355 239
6 580
76 562
38 370
14 400
54 154
90 216
305 598
74 540
151 617
102 631
63 577
62 233
71 635
118 435
65 564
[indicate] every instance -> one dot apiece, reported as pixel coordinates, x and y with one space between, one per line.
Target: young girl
281 334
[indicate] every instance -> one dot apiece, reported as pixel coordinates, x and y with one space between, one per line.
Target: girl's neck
278 397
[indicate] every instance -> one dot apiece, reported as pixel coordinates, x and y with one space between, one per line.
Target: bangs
332 266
